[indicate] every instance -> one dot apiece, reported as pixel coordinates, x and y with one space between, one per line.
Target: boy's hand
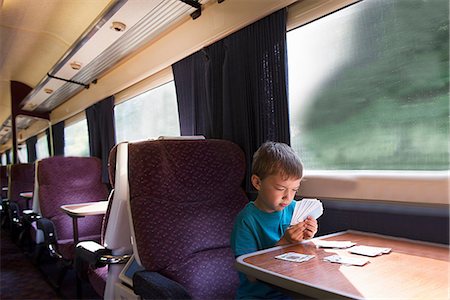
299 232
310 228
293 234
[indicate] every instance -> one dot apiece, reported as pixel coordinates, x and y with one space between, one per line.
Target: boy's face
275 192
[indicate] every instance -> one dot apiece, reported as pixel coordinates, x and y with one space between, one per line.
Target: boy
276 175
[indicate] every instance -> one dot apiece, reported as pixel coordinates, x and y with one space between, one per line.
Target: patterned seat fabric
70 180
184 196
22 180
3 182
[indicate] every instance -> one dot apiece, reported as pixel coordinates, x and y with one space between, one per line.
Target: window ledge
429 187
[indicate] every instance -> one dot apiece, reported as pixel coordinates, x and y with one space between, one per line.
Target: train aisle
19 278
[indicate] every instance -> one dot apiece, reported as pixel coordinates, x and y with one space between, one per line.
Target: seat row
165 232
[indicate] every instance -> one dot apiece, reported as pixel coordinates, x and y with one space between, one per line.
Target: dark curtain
31 149
49 142
58 138
100 120
8 156
236 89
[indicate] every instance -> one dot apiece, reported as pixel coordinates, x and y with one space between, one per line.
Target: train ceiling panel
49 40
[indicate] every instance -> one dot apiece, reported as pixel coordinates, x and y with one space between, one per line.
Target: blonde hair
276 158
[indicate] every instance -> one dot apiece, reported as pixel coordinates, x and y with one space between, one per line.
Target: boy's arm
243 240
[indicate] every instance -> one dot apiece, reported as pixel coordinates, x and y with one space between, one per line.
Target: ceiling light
118 26
48 91
75 65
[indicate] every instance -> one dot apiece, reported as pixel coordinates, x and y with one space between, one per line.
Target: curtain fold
236 88
58 138
100 120
31 149
8 156
49 142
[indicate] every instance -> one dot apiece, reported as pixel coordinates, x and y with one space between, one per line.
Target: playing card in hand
306 207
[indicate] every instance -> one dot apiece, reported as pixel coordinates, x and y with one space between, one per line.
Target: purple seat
21 179
184 196
4 195
3 182
70 180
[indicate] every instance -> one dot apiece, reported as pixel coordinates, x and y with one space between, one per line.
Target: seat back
21 179
184 196
116 229
70 180
3 182
116 233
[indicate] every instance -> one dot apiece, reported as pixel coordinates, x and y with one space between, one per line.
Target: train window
148 115
76 139
42 147
368 87
22 153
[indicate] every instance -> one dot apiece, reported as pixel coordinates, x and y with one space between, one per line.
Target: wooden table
27 196
81 210
413 269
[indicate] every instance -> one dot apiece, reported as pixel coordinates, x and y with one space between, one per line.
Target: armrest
50 239
152 285
91 252
97 255
14 213
30 216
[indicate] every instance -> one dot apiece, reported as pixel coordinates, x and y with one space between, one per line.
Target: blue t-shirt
257 230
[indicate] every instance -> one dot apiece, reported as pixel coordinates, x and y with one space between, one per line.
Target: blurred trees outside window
42 147
148 115
76 139
369 87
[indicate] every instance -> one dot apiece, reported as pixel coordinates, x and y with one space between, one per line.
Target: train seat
62 181
31 216
21 179
3 182
115 246
184 196
4 195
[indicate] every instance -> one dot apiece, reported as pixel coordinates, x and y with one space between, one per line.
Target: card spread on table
369 251
333 244
294 256
354 261
306 207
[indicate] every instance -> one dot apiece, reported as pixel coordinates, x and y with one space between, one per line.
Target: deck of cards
306 207
294 256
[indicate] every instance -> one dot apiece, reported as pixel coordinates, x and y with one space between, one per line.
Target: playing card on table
369 250
295 257
354 261
333 244
306 207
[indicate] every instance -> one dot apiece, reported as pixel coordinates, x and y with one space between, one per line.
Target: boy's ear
256 181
